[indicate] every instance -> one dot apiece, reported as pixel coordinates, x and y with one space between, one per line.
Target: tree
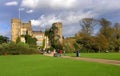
77 46
106 29
116 31
54 37
87 25
69 44
3 39
104 22
86 41
108 32
30 40
18 40
116 37
101 43
108 37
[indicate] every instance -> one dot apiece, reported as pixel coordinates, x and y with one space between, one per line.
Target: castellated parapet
26 27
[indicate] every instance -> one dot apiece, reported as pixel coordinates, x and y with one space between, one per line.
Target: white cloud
44 21
12 3
74 17
98 6
66 17
106 6
30 3
70 21
29 11
63 4
72 11
55 4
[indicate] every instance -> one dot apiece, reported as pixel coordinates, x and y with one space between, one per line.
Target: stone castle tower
59 32
19 28
16 25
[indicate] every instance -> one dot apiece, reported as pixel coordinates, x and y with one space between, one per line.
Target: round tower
59 26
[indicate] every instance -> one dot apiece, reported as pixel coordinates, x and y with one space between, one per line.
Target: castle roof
38 32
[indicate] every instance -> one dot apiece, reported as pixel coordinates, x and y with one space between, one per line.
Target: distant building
19 29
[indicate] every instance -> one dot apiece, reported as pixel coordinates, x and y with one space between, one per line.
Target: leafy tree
105 23
47 32
18 40
86 42
3 39
43 45
30 40
108 32
101 43
54 37
77 46
69 44
116 37
106 29
108 37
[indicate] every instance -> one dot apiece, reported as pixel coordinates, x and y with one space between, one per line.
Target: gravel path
105 61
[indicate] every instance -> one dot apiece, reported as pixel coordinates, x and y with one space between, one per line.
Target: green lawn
37 65
111 56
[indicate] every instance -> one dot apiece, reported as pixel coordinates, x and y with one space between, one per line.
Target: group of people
57 53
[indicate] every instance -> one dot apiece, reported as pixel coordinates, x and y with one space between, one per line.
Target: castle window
24 33
39 36
39 43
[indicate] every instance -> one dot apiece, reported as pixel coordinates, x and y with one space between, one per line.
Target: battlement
58 24
14 20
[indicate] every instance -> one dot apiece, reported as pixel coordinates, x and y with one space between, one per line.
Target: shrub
16 49
4 49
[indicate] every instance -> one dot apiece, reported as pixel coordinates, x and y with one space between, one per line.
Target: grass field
37 65
111 56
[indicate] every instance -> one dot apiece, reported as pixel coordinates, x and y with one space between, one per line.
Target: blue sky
43 13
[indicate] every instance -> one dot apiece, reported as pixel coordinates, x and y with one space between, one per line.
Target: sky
43 13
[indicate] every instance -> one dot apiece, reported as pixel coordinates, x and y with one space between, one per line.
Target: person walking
54 52
60 52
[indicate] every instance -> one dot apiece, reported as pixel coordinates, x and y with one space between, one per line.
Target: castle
19 29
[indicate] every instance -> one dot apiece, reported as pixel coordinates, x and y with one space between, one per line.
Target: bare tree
87 25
